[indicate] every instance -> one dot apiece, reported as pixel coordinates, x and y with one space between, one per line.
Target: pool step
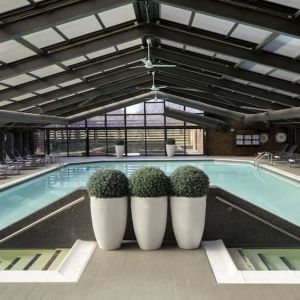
31 259
266 259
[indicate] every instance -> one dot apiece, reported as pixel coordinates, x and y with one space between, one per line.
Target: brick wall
223 143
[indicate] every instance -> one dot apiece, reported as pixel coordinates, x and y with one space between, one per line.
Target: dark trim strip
33 260
10 266
51 260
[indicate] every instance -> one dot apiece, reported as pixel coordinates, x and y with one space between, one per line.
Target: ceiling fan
155 88
148 64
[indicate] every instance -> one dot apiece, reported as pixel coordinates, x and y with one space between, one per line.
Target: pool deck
130 273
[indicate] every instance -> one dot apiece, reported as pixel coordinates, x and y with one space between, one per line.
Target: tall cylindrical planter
188 220
109 217
149 216
120 150
170 150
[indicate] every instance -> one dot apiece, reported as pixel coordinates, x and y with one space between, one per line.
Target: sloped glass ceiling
13 52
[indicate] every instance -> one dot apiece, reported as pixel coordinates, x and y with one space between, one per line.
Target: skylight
80 27
175 14
44 38
7 5
213 24
12 51
129 44
284 45
17 80
102 52
250 34
117 15
47 71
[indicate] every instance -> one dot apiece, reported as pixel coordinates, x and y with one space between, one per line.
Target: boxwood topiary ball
171 141
120 142
189 181
149 182
108 183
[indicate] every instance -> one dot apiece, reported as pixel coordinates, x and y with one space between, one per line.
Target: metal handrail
257 217
42 219
263 155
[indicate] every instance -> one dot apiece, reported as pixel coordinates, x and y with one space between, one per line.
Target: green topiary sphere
171 141
189 181
120 142
108 183
149 182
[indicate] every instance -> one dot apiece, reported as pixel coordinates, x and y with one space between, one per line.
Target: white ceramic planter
170 150
120 150
109 217
149 216
188 220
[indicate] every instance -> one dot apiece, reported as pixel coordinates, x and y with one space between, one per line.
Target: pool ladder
268 156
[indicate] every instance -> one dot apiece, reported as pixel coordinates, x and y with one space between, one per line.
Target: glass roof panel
129 44
74 61
250 34
171 43
86 90
264 87
284 45
175 14
5 102
212 24
93 74
19 79
285 75
101 52
228 58
12 51
236 80
71 82
22 97
44 38
48 89
26 108
80 27
117 15
258 68
47 71
199 50
7 5
286 93
66 96
291 3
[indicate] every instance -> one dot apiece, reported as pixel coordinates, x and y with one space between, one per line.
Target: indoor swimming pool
261 187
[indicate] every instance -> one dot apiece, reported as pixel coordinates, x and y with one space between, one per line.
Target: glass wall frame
143 126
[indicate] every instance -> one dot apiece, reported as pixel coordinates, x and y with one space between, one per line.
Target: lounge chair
294 162
278 152
2 173
290 154
23 163
283 150
13 169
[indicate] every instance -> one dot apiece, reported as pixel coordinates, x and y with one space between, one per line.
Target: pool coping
226 272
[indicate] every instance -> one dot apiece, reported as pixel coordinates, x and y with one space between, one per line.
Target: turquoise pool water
260 187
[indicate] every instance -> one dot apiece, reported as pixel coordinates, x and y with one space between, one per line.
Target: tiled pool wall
223 221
